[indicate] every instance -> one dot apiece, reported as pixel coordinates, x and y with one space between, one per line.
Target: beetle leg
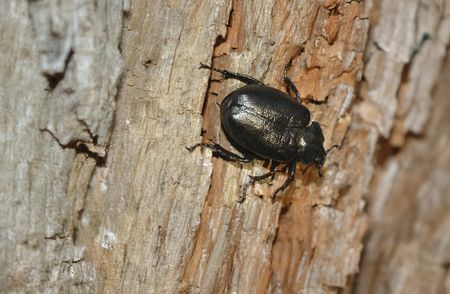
319 171
293 88
273 169
254 179
291 175
318 168
291 84
233 75
221 152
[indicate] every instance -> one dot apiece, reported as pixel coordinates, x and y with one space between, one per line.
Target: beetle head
311 149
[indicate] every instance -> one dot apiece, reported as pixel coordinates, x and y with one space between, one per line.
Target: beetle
262 122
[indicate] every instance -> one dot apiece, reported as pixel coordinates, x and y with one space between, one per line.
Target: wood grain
98 100
60 65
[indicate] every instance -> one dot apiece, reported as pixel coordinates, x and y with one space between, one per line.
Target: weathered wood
99 193
59 68
408 250
145 205
237 249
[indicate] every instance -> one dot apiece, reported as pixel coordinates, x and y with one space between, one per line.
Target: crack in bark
88 130
98 153
57 236
72 261
55 78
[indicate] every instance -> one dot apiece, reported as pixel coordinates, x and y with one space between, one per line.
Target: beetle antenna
334 146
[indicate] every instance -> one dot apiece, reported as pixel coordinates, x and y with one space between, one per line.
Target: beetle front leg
233 75
219 151
319 172
319 167
291 175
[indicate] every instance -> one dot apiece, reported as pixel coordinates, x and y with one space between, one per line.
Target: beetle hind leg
219 151
233 75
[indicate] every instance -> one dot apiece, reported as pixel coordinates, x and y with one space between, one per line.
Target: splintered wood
100 98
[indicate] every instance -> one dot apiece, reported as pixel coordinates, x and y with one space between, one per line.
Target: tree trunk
60 64
408 248
99 99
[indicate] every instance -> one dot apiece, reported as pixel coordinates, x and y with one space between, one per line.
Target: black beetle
264 123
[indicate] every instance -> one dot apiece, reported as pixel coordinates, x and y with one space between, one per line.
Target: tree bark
408 248
60 65
99 194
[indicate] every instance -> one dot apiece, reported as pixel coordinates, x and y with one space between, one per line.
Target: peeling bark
100 195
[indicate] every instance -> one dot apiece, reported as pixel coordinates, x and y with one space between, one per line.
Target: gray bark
99 98
60 65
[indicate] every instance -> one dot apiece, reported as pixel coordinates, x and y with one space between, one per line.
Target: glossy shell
264 121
